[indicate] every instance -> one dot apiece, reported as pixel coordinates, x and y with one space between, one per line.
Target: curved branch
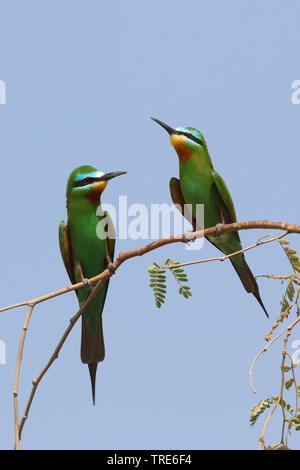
288 329
107 273
259 242
17 375
124 256
54 356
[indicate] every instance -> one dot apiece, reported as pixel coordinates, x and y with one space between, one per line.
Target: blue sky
83 80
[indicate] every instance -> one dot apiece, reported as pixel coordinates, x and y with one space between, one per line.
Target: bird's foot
219 229
188 237
83 279
110 265
111 268
86 283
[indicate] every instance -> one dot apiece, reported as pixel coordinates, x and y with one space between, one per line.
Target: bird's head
88 182
185 140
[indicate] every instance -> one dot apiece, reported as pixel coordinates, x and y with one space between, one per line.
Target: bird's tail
92 350
93 372
249 281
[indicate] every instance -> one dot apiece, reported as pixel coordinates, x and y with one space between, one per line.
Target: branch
223 258
107 273
54 356
280 398
288 329
124 256
17 375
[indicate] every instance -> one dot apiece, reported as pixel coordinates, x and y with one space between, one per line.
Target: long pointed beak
169 129
112 174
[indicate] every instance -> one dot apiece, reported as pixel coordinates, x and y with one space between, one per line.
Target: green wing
225 194
111 242
111 239
65 250
178 199
110 246
176 193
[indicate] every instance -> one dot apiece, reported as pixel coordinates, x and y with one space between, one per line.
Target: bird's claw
86 283
218 229
188 237
111 267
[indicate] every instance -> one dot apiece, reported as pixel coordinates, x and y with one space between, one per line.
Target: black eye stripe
85 182
191 137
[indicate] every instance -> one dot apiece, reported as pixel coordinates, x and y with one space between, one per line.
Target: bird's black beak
169 129
112 174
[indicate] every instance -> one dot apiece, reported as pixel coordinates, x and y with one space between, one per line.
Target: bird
86 251
199 183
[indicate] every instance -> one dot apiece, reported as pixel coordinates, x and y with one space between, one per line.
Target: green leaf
290 291
158 281
289 383
283 241
151 269
294 259
160 291
258 409
163 286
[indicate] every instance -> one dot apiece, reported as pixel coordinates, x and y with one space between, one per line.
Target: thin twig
294 379
262 439
266 348
282 383
223 258
17 374
54 356
280 398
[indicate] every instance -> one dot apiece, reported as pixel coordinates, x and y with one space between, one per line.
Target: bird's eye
84 182
192 137
87 180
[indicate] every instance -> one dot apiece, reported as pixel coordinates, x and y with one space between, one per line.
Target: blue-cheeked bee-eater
86 253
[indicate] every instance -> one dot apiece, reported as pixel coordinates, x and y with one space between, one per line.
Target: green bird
86 251
199 183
